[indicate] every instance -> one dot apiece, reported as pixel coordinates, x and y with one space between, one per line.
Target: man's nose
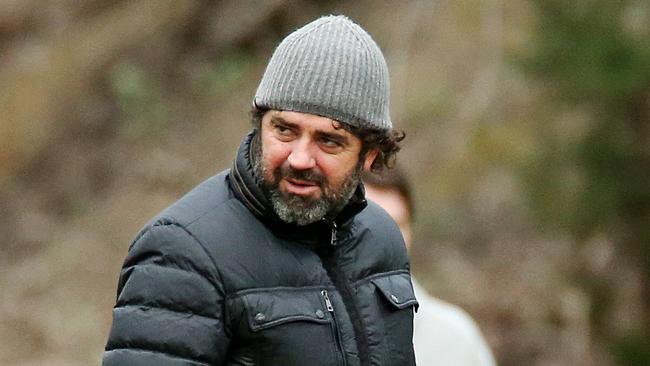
301 157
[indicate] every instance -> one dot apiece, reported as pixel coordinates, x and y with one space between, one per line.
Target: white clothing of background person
445 335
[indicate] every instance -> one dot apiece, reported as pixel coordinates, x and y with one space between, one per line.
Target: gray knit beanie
330 67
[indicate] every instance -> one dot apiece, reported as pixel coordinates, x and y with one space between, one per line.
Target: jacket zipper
338 279
328 303
335 332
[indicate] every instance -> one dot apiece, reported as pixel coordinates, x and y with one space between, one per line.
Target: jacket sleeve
169 309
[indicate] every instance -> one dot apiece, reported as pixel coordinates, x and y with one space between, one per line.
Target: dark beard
292 208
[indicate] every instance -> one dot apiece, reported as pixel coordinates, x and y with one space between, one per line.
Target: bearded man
280 260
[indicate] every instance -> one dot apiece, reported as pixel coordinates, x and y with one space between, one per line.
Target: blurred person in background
444 334
280 260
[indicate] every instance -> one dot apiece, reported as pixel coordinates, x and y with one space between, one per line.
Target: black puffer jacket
218 279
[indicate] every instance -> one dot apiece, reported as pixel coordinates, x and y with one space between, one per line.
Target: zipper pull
328 303
333 238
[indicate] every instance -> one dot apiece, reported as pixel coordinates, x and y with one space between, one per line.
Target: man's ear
370 158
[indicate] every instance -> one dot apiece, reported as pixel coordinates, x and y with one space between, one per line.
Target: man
444 335
280 260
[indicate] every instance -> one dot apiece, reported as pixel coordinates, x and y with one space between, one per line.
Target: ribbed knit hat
330 67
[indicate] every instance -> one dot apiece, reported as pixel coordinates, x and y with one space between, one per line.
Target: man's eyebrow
334 136
282 121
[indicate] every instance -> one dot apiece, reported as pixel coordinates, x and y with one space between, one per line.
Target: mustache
306 175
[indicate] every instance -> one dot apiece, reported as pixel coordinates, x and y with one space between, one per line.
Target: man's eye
282 130
330 143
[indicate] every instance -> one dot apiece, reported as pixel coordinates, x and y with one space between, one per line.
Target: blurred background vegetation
528 142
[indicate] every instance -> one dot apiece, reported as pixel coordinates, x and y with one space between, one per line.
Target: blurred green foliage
219 78
632 350
140 99
590 60
584 49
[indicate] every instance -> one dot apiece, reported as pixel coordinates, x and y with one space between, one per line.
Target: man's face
310 166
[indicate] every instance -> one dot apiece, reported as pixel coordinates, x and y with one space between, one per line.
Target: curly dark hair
387 141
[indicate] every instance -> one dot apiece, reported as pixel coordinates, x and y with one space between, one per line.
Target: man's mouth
301 187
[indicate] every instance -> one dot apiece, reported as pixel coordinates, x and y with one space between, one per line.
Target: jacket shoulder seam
200 215
166 309
200 244
147 350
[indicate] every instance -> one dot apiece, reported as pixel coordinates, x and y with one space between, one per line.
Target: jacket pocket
397 290
287 326
394 304
275 307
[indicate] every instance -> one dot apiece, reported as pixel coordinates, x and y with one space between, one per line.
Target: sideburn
255 159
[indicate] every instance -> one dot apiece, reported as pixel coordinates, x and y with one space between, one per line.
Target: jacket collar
247 188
